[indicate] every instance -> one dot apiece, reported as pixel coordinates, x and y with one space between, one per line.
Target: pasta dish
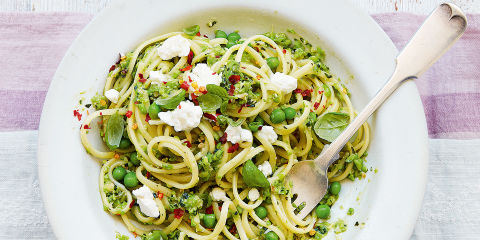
200 133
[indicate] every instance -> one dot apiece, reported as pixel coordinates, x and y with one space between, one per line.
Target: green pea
130 180
157 235
358 163
277 116
192 31
119 173
289 113
142 108
134 159
254 126
153 111
271 236
259 120
364 168
335 188
209 220
231 44
322 211
220 34
125 143
234 37
273 62
261 212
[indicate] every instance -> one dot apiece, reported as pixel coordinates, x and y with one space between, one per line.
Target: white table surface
440 209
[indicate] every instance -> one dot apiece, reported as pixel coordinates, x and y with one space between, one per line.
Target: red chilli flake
320 92
132 203
189 145
86 126
260 128
147 118
223 139
284 51
234 79
148 175
140 75
112 68
241 107
205 36
210 116
178 213
160 195
77 114
198 34
129 114
179 106
233 229
186 68
307 92
316 105
298 90
233 148
209 210
190 57
232 90
185 85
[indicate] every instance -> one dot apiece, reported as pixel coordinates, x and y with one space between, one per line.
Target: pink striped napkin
32 45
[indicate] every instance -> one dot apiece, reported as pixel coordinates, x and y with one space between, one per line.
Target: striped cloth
32 45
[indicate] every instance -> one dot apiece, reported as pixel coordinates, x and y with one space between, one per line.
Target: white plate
387 202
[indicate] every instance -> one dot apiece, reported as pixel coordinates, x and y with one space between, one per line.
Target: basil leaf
217 90
192 31
223 107
252 176
209 102
172 101
330 125
114 131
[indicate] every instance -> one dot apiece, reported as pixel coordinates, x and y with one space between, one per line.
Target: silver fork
437 34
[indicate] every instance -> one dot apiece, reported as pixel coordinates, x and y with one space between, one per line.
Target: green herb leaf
235 123
217 90
223 107
114 131
192 31
172 101
252 176
330 125
209 102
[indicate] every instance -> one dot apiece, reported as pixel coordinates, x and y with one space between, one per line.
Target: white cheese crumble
253 194
157 77
176 46
238 134
268 133
145 200
112 95
185 117
283 82
265 168
218 194
203 75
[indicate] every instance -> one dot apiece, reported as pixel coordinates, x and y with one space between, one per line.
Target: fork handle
437 34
